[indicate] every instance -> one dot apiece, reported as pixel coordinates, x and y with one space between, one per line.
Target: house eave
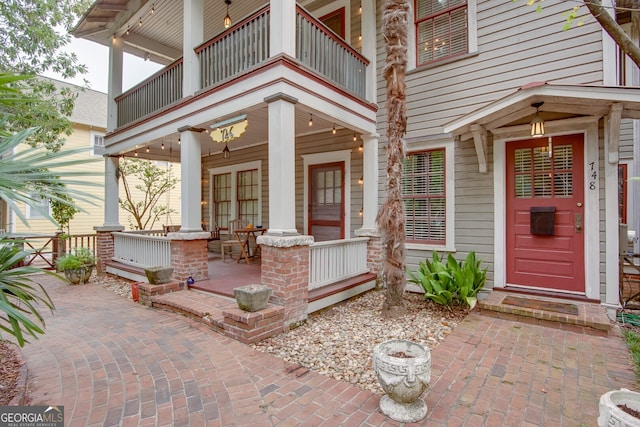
580 100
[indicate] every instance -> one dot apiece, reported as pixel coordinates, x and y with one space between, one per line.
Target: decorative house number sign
230 129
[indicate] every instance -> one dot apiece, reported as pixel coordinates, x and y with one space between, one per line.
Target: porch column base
285 269
189 255
104 246
375 253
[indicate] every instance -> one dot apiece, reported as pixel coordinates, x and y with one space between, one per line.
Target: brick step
591 319
222 314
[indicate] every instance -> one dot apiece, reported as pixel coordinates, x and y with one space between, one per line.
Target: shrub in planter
77 266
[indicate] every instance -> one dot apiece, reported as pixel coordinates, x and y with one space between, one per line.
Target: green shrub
71 261
453 281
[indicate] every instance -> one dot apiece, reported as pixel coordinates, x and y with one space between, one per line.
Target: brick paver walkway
112 362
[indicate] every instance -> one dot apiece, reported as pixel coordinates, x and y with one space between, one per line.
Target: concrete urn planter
252 297
403 369
611 415
79 275
158 275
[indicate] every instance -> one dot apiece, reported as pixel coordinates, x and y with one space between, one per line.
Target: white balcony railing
236 50
156 92
141 249
327 54
242 48
337 260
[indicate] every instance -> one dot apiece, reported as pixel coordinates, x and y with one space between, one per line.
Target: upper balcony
235 53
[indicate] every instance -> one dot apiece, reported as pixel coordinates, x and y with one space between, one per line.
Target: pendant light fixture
537 124
226 153
227 19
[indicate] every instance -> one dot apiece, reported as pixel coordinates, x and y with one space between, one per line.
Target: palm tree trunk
391 217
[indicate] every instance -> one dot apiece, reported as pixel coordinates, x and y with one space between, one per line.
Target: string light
140 22
135 153
128 29
153 8
361 147
354 137
361 180
310 119
114 36
147 148
334 129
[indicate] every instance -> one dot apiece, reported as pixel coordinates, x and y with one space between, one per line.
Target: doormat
537 304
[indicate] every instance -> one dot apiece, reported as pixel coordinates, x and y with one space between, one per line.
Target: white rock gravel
338 341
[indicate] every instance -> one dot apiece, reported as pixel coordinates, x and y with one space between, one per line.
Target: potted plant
77 266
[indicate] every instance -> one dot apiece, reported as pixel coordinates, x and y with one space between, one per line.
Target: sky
96 58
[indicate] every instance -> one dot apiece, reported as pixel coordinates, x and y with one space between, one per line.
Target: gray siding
516 46
626 139
309 144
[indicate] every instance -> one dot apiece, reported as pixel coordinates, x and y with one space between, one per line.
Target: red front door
545 213
326 201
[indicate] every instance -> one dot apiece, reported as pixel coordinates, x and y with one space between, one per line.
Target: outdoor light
227 19
163 145
310 119
537 124
226 153
334 129
354 137
361 180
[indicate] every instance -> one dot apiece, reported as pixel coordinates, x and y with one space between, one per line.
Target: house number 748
593 176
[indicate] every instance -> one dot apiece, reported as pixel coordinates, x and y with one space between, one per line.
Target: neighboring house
282 121
89 119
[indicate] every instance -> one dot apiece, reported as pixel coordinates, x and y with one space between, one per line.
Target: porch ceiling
156 35
255 134
560 101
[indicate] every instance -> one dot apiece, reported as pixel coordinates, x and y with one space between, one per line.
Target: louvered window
441 29
424 197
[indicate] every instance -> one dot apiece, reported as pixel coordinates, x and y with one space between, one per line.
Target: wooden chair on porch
232 241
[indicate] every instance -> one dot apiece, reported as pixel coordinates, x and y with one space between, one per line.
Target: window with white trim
37 208
236 193
97 142
424 197
442 30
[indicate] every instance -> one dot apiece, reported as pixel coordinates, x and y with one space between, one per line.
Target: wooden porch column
190 180
111 191
115 81
370 176
283 18
369 37
193 36
282 178
285 269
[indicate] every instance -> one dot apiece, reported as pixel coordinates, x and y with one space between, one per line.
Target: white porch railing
337 260
142 249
